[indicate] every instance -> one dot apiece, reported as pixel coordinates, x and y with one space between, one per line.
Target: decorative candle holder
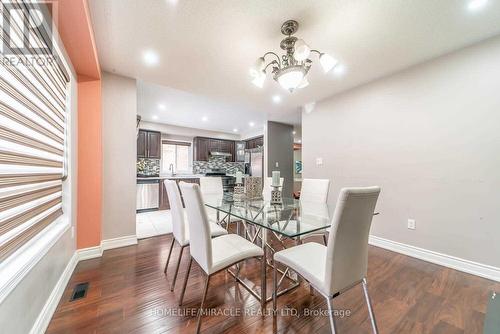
253 187
276 197
239 192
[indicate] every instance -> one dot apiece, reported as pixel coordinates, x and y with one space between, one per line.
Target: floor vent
80 291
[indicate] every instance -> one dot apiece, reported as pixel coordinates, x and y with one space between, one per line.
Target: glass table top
292 218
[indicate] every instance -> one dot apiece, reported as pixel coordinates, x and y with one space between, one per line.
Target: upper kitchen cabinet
149 144
202 147
255 142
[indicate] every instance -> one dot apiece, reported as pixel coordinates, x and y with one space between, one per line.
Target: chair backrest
211 185
176 210
347 253
314 190
200 242
266 189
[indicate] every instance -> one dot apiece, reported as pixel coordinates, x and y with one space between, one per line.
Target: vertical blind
32 134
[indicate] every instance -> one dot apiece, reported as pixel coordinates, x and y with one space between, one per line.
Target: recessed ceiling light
204 118
474 5
235 130
294 132
251 123
276 99
172 2
161 106
299 141
154 117
150 57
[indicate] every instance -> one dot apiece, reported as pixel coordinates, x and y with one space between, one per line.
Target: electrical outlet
319 161
412 224
72 232
277 164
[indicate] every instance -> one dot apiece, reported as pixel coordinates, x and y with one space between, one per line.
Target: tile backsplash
148 166
201 167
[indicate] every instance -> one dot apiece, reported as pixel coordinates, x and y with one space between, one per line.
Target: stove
228 182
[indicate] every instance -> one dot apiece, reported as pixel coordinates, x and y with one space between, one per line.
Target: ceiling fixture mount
291 69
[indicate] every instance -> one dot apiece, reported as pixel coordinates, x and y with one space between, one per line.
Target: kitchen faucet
171 169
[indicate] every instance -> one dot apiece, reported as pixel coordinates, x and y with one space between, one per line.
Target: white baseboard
89 253
475 268
43 319
96 251
119 242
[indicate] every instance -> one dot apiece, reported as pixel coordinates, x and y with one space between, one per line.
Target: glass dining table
271 226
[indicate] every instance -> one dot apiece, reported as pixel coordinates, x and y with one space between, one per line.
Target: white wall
430 137
119 145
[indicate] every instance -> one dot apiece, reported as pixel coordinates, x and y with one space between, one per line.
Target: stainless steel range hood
219 154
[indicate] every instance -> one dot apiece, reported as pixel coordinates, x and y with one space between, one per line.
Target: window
175 154
33 98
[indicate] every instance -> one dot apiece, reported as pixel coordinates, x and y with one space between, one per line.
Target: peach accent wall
89 204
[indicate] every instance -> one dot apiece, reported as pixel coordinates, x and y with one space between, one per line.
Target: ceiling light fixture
150 57
235 130
276 99
291 69
476 4
294 132
204 118
251 124
155 117
161 106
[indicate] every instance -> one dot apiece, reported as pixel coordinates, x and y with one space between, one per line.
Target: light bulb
327 62
302 50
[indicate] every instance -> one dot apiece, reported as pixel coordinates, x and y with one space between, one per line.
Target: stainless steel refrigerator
254 162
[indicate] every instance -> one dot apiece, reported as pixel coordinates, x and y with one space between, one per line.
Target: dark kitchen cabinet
141 144
149 144
202 147
154 145
255 142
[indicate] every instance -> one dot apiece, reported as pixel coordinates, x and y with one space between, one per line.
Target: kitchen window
177 155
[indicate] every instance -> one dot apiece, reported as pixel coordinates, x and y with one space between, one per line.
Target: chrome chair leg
198 325
370 308
330 315
275 288
177 269
185 281
169 253
324 239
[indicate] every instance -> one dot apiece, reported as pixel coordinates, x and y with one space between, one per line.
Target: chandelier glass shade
290 70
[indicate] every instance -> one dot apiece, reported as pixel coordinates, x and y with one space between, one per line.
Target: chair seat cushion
230 249
308 260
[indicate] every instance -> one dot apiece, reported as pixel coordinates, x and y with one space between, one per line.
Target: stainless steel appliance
228 182
148 194
240 151
254 162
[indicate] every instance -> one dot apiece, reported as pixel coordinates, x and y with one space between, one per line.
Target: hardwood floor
129 293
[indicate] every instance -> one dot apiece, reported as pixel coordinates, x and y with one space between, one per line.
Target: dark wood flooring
130 294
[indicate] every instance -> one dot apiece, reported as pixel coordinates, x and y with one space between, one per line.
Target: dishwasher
148 194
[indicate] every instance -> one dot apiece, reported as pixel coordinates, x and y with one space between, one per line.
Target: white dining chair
342 264
315 191
212 186
212 255
267 188
180 228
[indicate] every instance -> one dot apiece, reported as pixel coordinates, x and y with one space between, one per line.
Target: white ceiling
157 103
207 47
